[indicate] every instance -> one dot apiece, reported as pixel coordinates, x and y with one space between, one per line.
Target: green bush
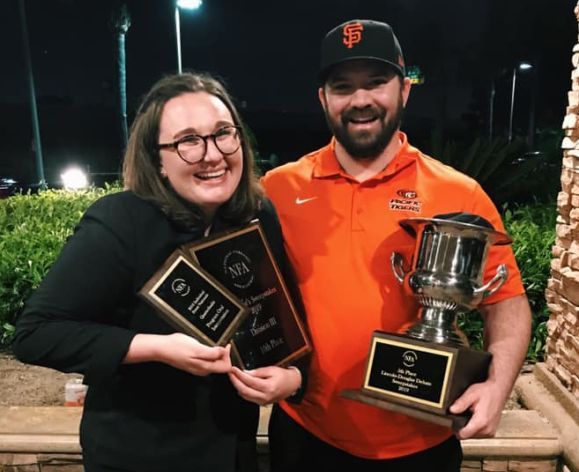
533 231
33 229
532 228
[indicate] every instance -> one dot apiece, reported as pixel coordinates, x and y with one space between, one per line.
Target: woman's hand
180 351
266 384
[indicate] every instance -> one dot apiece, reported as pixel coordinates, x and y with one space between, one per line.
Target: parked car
7 187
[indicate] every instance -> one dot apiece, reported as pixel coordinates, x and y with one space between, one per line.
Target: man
339 208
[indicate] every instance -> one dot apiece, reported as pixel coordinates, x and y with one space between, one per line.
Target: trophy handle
499 279
397 262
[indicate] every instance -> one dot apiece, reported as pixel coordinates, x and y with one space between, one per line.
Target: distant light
415 75
74 179
525 66
189 4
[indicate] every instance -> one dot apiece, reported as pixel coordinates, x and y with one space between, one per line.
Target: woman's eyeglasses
192 148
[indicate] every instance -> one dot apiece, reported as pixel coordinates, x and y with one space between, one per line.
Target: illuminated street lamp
74 179
522 66
186 5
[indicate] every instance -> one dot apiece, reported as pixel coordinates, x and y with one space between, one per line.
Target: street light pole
187 5
512 103
521 66
491 109
531 130
35 125
178 35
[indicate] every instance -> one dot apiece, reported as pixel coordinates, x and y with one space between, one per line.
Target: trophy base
455 422
419 378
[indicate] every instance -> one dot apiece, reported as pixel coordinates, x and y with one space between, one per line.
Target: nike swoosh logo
300 201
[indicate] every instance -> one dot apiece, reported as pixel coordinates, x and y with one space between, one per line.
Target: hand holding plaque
228 288
421 372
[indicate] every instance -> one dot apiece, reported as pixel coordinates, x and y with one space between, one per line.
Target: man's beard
366 145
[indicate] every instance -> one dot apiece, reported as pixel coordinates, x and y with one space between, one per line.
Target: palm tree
119 23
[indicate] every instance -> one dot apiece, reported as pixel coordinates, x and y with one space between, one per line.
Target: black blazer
82 318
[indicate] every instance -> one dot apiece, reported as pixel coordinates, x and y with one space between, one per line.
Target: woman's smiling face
211 181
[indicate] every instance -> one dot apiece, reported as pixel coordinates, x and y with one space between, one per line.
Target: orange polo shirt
339 236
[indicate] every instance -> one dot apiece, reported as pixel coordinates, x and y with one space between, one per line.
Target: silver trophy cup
422 371
446 276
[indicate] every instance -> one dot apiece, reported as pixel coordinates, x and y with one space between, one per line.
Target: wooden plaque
242 261
193 302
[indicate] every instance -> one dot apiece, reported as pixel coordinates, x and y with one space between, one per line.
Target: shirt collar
328 166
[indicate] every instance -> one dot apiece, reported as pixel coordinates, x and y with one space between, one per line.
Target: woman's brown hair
141 166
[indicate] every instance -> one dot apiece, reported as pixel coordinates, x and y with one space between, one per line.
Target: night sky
267 52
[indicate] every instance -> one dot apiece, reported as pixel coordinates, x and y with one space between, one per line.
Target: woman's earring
163 173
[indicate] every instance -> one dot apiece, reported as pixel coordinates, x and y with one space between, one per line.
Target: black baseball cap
361 39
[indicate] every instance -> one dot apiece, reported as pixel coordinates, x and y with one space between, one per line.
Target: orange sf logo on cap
352 34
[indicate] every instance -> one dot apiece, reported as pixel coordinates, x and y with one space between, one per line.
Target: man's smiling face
363 101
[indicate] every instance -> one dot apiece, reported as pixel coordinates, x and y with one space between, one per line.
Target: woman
157 400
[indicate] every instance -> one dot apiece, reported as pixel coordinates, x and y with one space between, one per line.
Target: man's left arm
507 332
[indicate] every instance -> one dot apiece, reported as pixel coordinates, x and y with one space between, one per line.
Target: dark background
267 53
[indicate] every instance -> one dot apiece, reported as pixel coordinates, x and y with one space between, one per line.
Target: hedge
532 228
33 229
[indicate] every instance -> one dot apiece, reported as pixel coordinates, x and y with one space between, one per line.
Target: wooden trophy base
455 422
418 378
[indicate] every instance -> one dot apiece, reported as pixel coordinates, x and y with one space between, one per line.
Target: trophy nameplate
242 261
193 302
418 379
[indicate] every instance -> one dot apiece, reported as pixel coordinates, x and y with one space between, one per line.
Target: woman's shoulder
269 220
121 204
266 208
123 213
267 213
